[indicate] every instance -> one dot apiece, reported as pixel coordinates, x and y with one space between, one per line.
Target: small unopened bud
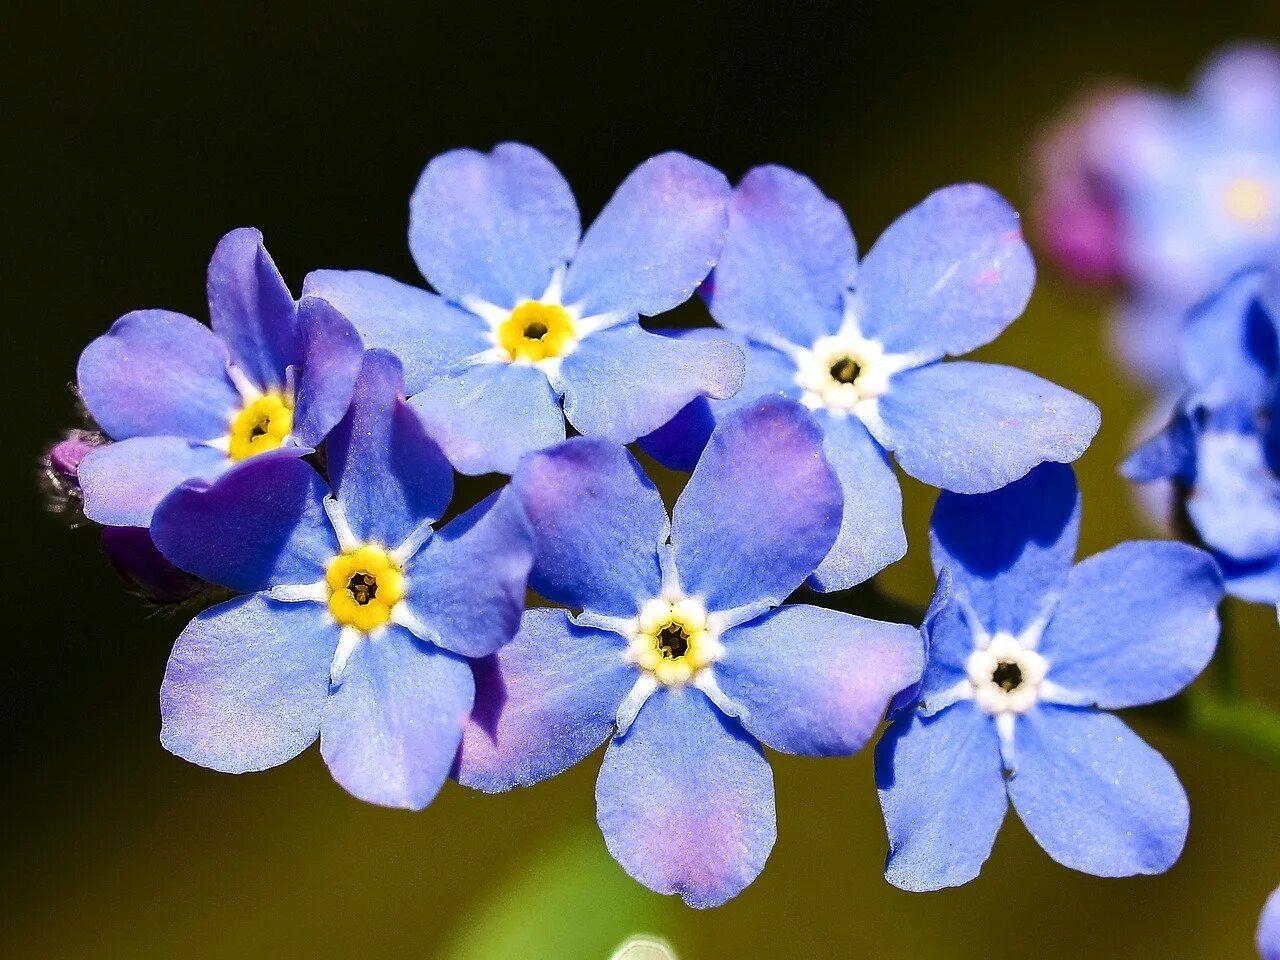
61 469
133 555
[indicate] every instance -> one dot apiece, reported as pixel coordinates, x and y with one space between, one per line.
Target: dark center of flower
845 370
535 331
259 427
673 642
363 587
1007 676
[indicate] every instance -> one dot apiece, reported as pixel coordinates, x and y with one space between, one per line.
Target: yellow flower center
672 641
536 331
365 584
262 425
1247 200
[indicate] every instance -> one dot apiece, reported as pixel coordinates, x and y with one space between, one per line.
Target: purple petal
123 482
1269 929
260 525
685 800
1241 84
387 473
331 353
156 372
494 226
974 427
252 310
543 702
655 240
948 275
817 681
761 510
788 258
624 382
246 683
393 722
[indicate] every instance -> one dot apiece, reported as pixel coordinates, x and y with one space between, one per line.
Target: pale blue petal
123 482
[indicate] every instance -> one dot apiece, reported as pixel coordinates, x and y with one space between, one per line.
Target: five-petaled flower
527 314
184 401
1026 653
679 644
1220 454
359 616
861 343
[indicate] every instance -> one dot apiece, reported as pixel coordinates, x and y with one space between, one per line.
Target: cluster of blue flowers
302 453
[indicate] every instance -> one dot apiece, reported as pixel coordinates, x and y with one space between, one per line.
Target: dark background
135 137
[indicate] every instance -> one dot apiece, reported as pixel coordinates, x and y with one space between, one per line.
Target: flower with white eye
1027 653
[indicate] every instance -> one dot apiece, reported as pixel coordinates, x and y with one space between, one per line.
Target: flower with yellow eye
679 648
183 401
360 615
534 325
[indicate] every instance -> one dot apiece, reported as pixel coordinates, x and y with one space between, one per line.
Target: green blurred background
138 136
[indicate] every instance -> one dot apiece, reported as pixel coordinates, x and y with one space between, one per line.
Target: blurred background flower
137 141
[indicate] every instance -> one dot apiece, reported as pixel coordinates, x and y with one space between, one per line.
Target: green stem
1245 725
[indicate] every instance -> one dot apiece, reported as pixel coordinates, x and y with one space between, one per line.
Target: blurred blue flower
359 616
861 345
1026 653
1196 186
184 401
1269 929
1221 449
526 314
679 646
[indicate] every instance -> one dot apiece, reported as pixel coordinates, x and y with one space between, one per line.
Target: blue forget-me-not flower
359 616
1269 929
528 314
861 345
680 645
1026 654
184 401
1221 451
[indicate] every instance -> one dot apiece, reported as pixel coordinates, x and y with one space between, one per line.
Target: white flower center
673 640
845 370
1006 675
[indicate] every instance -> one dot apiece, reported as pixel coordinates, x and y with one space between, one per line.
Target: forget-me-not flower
1269 929
861 345
183 401
359 616
1026 654
527 314
1195 184
1221 451
679 644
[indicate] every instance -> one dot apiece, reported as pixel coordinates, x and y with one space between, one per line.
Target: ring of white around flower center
1005 675
844 371
673 640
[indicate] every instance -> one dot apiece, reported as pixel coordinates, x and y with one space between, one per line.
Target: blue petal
392 725
1257 581
1169 454
1010 550
1135 624
871 535
1144 331
123 482
467 585
685 800
1269 929
949 640
1228 346
941 783
252 310
494 226
487 416
388 474
156 372
597 524
680 442
974 427
260 525
1241 85
1094 795
423 329
331 353
817 681
1235 499
788 258
246 684
761 510
655 240
624 382
543 702
948 275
